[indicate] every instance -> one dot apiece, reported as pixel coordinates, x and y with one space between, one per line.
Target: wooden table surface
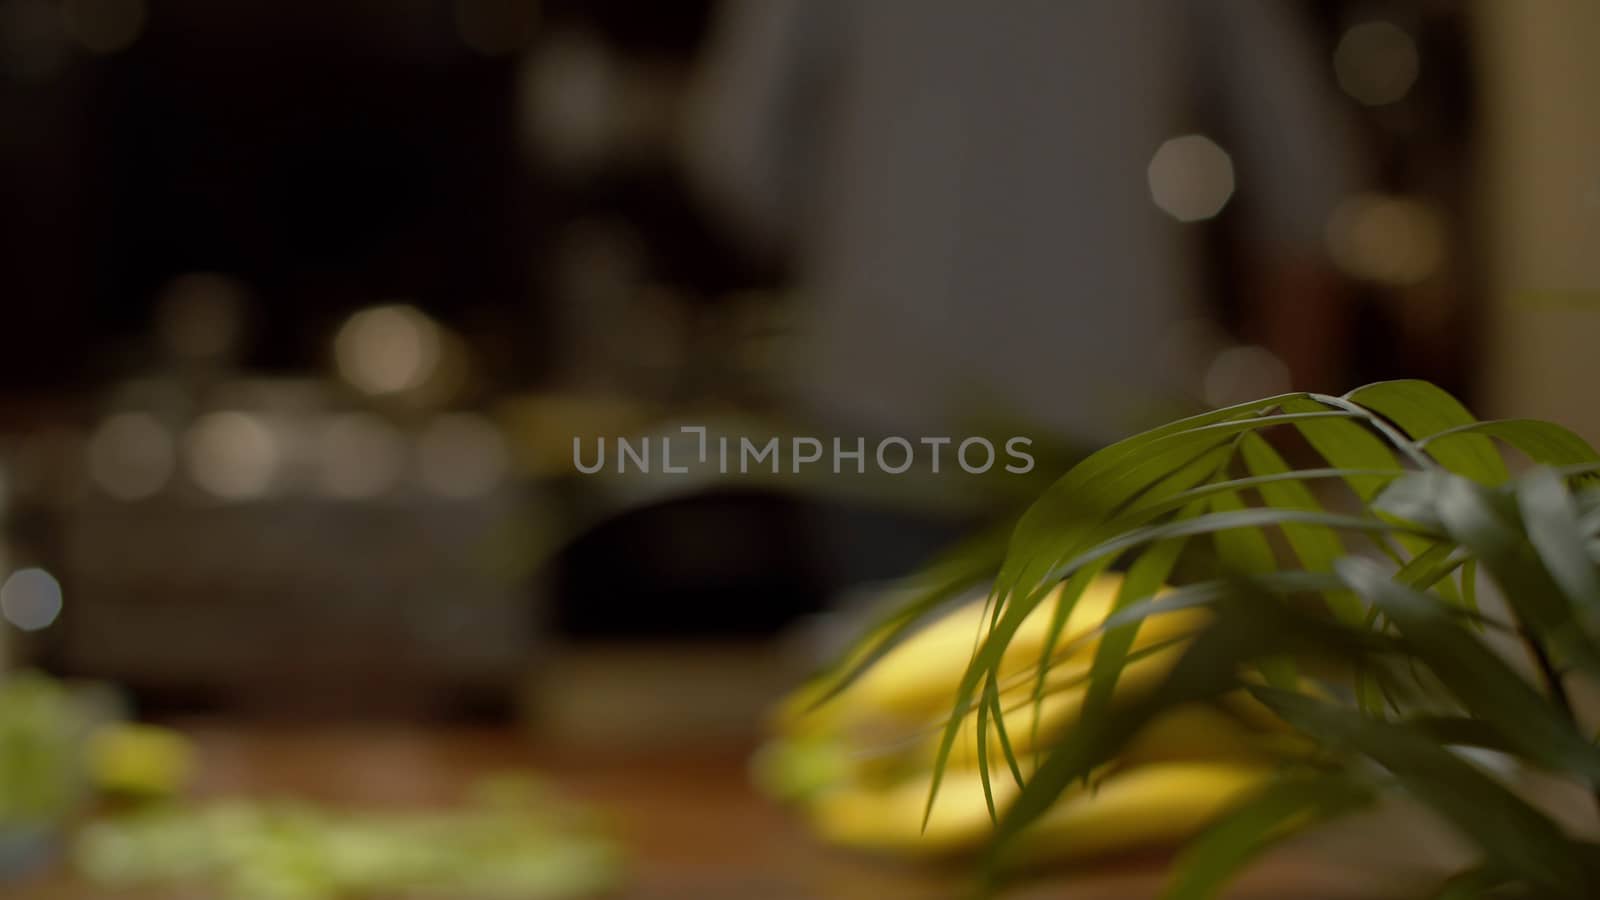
693 827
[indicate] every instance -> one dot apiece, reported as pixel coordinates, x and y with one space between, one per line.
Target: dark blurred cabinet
297 603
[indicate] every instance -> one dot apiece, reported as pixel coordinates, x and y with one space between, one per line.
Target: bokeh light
232 455
1191 178
1376 63
359 456
131 456
387 349
461 456
1387 239
569 94
30 599
1244 372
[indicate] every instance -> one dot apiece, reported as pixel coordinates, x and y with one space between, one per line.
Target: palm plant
1344 597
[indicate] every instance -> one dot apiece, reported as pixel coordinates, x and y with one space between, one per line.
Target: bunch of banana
858 766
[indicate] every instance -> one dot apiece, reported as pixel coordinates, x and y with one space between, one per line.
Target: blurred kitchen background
303 304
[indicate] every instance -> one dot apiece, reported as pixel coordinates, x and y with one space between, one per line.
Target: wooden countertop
694 828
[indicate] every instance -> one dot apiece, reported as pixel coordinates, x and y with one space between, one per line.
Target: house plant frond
1332 548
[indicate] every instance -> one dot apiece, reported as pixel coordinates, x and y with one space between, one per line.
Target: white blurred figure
988 204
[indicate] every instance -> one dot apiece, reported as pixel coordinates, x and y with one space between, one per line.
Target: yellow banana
914 684
1056 712
860 764
892 717
1154 805
796 769
889 819
919 677
1203 731
1151 805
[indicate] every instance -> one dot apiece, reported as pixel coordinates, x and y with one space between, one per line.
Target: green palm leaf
1431 492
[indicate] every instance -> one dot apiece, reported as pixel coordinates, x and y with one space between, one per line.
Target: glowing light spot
1242 373
1376 63
131 456
462 456
232 455
1390 240
1191 178
359 456
569 97
387 349
105 26
30 599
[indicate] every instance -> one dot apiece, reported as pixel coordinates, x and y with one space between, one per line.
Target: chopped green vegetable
512 842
